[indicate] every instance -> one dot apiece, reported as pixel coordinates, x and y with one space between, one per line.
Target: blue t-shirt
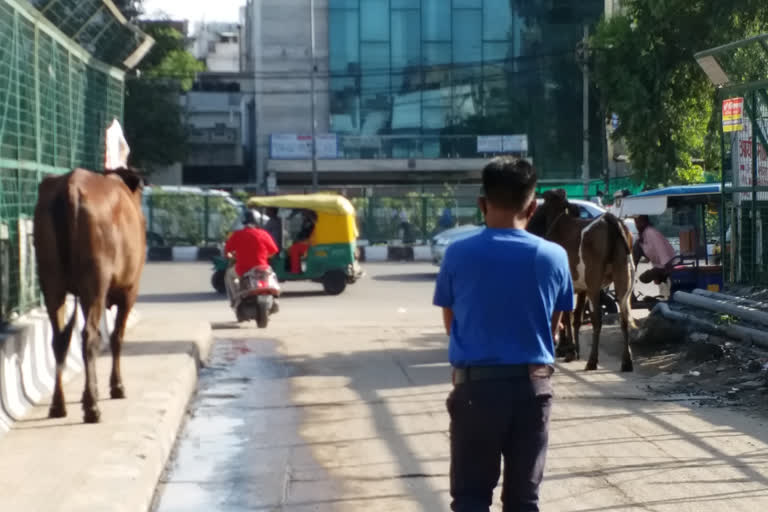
503 286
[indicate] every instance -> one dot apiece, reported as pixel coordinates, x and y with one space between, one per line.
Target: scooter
257 296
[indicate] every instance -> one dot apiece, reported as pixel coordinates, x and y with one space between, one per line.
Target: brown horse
600 253
90 241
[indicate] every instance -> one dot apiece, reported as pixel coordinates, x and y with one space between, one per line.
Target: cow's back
90 229
110 228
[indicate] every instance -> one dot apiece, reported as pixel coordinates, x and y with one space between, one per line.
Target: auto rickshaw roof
326 203
655 202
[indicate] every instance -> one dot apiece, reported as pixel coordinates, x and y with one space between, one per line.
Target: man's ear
482 204
531 209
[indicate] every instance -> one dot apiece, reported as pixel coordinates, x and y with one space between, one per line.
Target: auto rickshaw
331 258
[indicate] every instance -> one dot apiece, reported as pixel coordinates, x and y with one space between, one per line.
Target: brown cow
600 253
90 241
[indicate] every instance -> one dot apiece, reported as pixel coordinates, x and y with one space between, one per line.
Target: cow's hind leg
624 292
597 323
62 335
124 302
578 317
93 308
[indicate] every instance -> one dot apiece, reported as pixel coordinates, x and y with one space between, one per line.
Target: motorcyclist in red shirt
252 247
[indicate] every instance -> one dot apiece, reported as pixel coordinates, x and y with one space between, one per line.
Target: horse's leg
578 316
93 308
565 342
597 323
124 302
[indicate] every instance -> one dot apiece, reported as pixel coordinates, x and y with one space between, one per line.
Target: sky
195 10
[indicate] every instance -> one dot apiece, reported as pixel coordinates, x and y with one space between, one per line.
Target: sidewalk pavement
68 466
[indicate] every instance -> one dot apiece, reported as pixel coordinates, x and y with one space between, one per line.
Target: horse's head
132 179
555 205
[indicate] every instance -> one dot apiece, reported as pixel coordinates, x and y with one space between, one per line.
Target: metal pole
585 112
755 128
312 94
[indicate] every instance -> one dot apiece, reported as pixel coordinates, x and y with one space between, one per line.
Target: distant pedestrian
598 199
503 292
446 219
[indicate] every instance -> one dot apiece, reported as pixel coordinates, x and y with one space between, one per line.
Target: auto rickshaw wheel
218 282
334 282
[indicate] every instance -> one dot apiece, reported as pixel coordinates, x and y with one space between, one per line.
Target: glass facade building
441 71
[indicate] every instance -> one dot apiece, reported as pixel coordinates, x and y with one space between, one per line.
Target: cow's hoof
57 411
626 366
117 392
591 366
91 415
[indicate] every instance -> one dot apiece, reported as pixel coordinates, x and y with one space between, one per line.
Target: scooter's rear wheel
262 316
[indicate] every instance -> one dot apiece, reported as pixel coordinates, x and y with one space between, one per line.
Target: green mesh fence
745 191
55 103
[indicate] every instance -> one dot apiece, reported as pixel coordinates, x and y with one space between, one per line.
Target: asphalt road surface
340 405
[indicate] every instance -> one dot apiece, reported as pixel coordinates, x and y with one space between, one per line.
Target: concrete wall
167 175
27 365
224 58
281 54
218 123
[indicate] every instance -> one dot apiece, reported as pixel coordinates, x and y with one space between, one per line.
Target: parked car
441 241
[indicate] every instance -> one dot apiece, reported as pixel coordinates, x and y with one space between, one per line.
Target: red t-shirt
252 247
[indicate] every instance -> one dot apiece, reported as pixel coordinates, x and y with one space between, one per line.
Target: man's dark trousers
491 419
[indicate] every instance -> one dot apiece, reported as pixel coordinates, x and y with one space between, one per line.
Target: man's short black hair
644 218
509 182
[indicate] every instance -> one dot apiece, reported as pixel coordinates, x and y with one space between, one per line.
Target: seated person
274 227
300 246
654 246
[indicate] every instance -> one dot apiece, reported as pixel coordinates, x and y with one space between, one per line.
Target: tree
646 74
153 116
131 9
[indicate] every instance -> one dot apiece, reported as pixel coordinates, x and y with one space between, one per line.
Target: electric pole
312 94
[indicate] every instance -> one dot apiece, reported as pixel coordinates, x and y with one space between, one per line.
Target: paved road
339 405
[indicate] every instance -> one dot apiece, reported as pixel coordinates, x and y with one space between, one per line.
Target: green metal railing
56 101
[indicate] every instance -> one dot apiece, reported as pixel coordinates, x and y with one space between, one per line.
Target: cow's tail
625 302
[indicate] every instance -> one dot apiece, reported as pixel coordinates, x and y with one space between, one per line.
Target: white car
441 241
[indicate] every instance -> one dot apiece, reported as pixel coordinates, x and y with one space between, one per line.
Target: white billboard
284 146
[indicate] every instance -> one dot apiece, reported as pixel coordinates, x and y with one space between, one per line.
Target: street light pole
312 94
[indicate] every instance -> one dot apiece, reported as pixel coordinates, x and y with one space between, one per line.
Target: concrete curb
181 253
379 253
120 460
27 365
158 440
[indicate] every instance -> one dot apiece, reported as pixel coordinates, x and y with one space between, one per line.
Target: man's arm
230 245
556 317
270 243
447 320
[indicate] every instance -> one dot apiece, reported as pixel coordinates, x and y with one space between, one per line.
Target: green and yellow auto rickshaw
331 252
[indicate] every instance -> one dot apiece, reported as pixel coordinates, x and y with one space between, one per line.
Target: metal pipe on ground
732 298
744 334
721 306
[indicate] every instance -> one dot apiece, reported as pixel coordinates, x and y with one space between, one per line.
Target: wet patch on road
240 444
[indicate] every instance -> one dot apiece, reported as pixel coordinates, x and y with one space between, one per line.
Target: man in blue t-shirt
503 292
